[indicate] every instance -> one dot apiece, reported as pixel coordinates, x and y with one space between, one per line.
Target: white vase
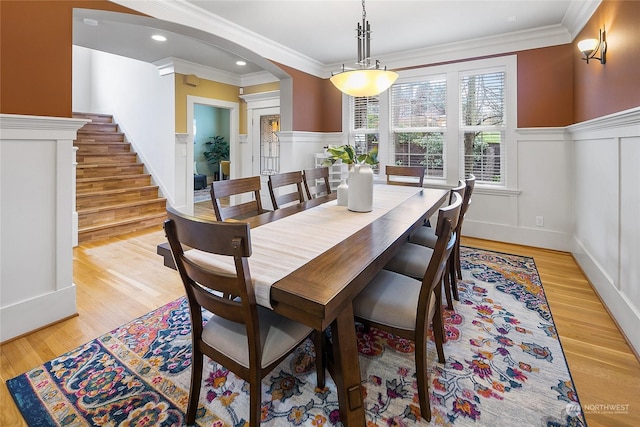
360 188
343 193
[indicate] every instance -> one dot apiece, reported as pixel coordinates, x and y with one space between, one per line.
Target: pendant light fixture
367 79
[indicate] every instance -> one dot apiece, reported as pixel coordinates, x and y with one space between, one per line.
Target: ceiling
320 33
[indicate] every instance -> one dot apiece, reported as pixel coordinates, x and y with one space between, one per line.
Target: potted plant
217 149
360 186
347 154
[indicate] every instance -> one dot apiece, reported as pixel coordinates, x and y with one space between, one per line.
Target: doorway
211 134
207 117
265 125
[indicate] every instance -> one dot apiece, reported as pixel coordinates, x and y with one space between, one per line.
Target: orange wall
545 86
555 87
317 104
601 90
35 55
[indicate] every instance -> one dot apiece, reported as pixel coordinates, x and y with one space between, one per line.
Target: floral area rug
504 367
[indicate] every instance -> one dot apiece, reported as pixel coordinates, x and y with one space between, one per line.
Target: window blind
418 124
482 116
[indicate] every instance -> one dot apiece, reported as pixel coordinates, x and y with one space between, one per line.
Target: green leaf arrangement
347 154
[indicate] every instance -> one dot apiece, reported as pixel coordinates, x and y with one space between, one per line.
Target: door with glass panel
266 146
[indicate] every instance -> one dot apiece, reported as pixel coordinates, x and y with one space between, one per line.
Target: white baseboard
34 313
626 316
537 237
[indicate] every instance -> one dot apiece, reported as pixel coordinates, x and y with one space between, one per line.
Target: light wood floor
120 279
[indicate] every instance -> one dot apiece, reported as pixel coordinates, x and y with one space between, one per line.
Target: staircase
113 194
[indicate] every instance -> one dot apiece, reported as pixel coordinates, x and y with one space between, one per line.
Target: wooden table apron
320 293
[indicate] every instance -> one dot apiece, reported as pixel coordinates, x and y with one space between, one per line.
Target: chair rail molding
36 233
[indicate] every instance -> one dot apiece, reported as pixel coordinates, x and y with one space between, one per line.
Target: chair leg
423 380
321 361
255 401
456 251
446 283
438 330
456 270
196 384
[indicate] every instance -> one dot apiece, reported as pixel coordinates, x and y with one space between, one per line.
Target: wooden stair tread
120 206
118 191
113 177
105 165
113 193
122 222
90 142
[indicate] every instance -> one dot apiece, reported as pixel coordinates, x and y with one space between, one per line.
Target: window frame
452 153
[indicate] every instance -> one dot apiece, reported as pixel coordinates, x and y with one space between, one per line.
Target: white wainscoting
543 189
36 222
606 240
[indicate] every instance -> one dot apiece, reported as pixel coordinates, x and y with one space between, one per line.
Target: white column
36 222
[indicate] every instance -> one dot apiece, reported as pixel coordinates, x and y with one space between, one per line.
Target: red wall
36 55
600 90
545 87
555 87
317 104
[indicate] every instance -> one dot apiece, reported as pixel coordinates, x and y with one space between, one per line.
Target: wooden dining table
319 293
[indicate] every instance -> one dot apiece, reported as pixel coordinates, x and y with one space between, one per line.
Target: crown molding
191 16
261 96
232 34
480 47
174 65
578 14
258 78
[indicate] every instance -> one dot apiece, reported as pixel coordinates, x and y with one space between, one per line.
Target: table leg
347 369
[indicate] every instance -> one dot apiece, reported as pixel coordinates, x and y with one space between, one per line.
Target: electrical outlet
540 221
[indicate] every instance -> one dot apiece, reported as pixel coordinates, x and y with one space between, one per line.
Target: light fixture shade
588 45
364 82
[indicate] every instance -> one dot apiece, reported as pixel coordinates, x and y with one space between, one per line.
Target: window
364 124
454 119
418 124
482 101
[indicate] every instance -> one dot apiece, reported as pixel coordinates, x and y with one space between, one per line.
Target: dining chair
234 187
316 182
244 337
412 259
414 172
426 237
282 180
406 307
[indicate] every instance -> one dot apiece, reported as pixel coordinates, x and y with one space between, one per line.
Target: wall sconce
590 47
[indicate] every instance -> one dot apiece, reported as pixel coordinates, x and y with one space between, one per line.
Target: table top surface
316 292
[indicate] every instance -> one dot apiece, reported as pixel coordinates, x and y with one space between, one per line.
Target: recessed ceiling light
159 38
90 22
241 63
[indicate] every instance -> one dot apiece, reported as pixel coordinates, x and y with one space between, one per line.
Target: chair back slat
466 201
204 286
415 172
316 182
445 230
293 180
233 187
460 190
